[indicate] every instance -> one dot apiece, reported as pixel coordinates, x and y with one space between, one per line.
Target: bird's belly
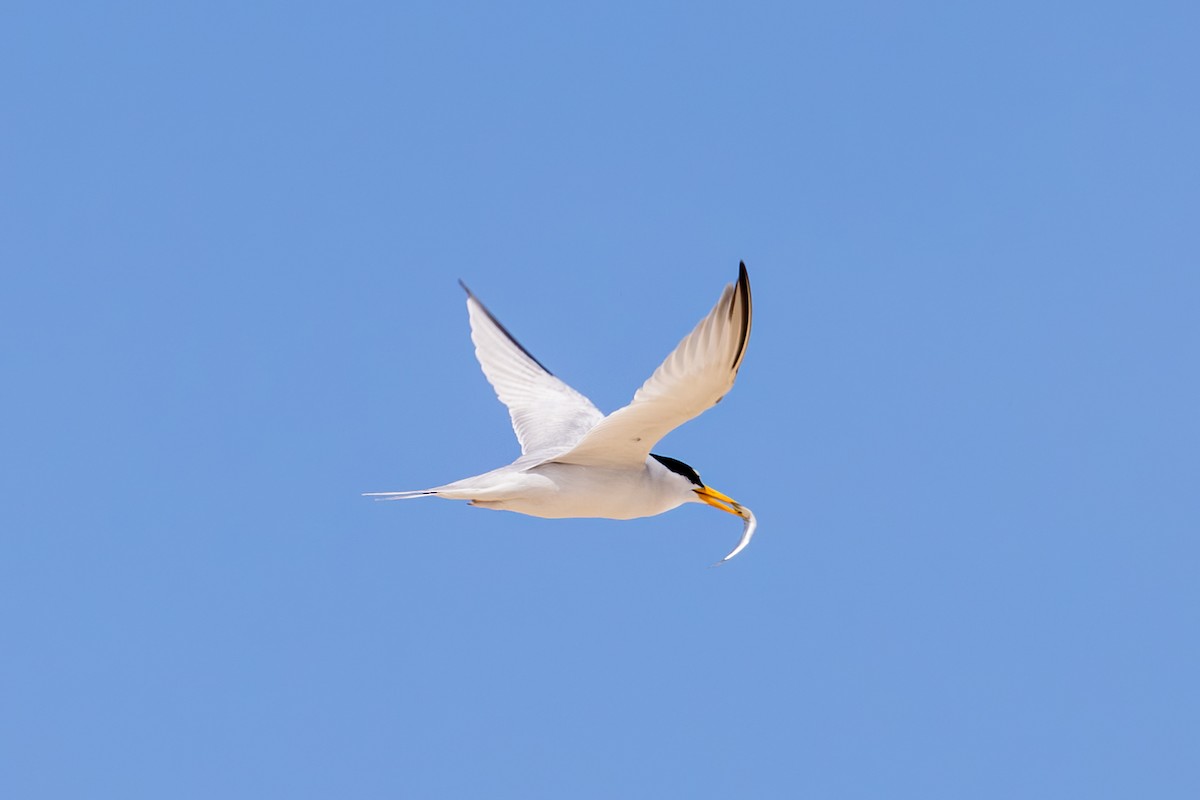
557 491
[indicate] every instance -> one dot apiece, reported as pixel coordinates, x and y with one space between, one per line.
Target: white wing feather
692 380
548 416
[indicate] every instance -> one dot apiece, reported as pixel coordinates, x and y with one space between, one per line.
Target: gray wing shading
693 379
548 416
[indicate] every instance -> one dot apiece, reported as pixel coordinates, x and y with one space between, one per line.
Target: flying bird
577 462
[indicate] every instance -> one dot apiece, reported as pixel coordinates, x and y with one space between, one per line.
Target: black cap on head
679 468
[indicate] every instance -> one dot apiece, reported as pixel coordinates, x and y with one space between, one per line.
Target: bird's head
700 492
697 492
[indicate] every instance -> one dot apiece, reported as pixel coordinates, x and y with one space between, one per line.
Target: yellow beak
721 501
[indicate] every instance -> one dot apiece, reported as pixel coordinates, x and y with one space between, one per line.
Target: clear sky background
968 418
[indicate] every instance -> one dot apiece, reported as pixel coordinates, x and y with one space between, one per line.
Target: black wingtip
467 290
743 288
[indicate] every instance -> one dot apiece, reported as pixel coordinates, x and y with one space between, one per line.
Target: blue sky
967 419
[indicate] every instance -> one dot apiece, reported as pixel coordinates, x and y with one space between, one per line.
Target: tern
577 462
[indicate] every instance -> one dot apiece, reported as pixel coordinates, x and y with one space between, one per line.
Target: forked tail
399 495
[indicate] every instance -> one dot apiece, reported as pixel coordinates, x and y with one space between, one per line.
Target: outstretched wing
692 380
548 416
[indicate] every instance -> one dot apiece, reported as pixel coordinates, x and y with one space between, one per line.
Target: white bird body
561 491
577 462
